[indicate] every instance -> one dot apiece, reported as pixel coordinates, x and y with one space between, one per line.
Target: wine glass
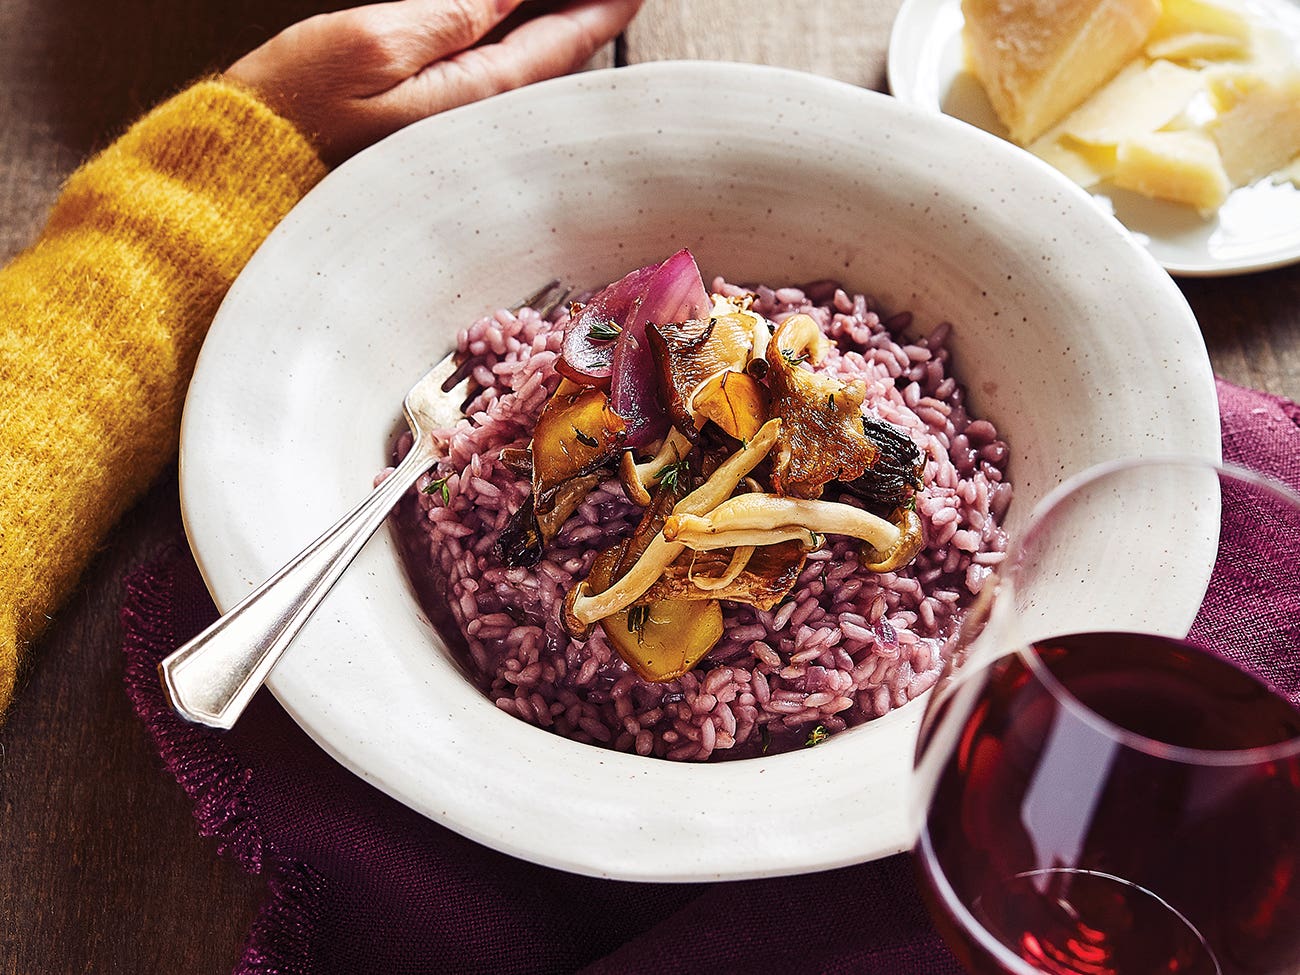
1105 780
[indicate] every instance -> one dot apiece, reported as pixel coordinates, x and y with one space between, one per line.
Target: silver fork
211 679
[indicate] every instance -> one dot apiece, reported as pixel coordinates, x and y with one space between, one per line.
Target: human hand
348 79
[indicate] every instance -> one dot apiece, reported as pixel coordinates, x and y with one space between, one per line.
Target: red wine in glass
1118 804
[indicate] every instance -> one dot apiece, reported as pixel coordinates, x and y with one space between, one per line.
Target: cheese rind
1183 167
1039 59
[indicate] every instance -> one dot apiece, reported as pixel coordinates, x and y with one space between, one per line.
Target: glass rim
1227 757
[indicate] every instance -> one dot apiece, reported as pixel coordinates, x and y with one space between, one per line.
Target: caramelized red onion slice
675 293
587 356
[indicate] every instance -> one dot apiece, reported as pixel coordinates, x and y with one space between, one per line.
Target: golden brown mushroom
911 539
577 433
734 401
822 437
767 578
583 606
761 519
664 639
689 354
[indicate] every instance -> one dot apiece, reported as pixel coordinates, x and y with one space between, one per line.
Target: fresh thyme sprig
439 486
673 476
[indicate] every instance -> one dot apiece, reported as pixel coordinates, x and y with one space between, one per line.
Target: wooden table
101 868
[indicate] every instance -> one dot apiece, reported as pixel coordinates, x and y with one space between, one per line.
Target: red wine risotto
732 535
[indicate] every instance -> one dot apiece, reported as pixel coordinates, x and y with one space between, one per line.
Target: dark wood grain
101 867
1251 326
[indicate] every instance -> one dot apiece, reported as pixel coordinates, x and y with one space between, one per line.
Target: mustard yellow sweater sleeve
101 321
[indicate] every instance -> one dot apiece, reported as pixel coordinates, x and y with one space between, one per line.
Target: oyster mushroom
582 606
822 437
890 481
576 434
689 354
734 401
525 535
739 559
762 519
767 577
911 539
638 479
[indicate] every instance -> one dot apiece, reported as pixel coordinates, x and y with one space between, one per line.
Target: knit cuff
219 139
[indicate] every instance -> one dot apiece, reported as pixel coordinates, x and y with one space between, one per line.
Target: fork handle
211 679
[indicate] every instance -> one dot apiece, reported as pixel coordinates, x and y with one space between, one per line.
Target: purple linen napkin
359 883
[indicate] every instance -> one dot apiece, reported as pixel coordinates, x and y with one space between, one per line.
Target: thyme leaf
815 737
793 359
673 476
604 331
439 486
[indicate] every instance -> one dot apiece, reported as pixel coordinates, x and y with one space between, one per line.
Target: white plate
1069 336
1257 228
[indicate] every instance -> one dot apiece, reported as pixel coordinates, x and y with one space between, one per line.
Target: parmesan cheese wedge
1038 59
1196 46
1140 99
1084 164
1180 100
1199 30
1260 132
1183 167
1200 17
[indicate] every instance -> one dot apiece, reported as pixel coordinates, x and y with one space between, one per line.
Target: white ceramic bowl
1067 334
